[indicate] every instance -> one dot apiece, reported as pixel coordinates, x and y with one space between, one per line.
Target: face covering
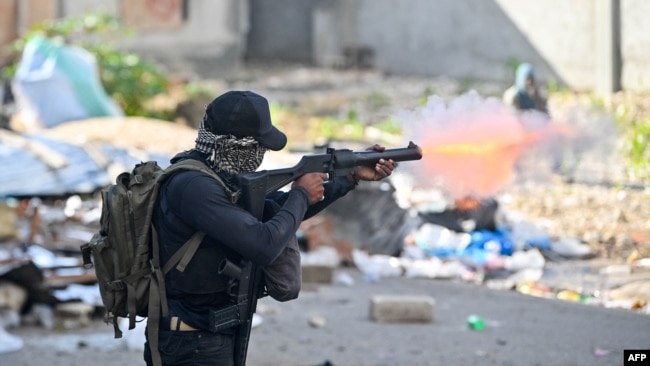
229 154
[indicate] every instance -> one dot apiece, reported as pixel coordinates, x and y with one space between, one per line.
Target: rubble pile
613 221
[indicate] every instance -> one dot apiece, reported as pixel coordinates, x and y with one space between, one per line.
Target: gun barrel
348 159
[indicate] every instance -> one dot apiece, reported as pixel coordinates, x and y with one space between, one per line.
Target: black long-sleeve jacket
193 201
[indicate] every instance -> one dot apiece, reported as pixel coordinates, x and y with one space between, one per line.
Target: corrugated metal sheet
32 165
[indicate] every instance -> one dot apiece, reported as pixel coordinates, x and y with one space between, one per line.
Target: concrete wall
283 30
478 39
582 44
635 44
210 42
598 45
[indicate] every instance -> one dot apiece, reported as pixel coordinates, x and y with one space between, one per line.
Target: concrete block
316 273
402 309
12 296
73 315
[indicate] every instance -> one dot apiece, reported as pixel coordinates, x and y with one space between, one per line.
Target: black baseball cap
242 114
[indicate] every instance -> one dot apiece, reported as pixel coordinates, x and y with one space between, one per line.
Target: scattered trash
433 268
534 289
636 293
437 240
322 255
616 269
570 248
570 296
492 241
344 279
257 320
376 266
531 258
642 263
317 321
525 234
600 352
9 342
475 322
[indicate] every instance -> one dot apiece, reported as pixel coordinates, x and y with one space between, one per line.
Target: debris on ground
581 242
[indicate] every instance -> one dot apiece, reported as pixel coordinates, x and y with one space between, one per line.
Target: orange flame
473 144
478 162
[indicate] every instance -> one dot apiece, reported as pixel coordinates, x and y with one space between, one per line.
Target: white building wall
635 45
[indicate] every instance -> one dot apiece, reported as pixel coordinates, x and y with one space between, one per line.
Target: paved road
520 330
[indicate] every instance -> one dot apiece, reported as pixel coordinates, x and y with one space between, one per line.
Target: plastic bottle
475 322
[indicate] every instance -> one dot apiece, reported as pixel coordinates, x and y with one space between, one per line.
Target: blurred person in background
524 94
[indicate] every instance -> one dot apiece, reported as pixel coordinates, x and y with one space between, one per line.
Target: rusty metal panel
8 26
36 11
153 14
34 165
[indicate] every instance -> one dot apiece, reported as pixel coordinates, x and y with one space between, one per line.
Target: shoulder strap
180 259
192 164
157 290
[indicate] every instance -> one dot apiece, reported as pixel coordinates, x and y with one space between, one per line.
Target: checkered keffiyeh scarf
228 153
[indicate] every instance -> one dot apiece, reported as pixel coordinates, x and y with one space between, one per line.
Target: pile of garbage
483 242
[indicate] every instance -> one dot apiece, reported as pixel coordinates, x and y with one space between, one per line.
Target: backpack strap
192 164
157 290
184 254
180 259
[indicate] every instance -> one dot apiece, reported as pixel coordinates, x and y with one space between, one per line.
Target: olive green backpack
125 251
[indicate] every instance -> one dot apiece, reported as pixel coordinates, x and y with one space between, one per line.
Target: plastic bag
59 83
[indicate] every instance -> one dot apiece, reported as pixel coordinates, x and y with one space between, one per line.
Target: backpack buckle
154 267
234 197
86 252
114 285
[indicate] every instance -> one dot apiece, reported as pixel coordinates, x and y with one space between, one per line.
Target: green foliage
465 85
352 115
513 64
126 77
552 86
424 98
197 90
377 99
301 128
636 130
389 125
341 129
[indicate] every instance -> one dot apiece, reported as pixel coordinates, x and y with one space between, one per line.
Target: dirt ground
330 324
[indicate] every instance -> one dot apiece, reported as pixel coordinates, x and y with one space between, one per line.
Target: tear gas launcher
255 187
